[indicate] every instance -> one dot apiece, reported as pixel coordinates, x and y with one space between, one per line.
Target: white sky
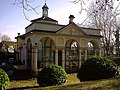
12 20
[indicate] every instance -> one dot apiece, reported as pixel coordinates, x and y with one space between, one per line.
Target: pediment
72 29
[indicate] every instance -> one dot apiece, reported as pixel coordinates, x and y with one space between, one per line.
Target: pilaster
34 58
63 58
85 55
56 56
80 58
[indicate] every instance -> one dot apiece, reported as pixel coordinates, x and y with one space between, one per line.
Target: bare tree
26 5
104 3
104 16
5 37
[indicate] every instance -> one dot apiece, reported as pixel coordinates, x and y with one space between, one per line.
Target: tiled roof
44 18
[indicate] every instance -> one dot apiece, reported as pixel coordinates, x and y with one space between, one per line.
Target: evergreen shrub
97 68
51 75
4 80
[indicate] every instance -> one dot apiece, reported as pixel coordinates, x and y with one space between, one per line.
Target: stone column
22 55
56 56
85 55
19 54
34 58
63 58
80 58
25 55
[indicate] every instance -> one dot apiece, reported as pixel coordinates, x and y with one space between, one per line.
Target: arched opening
71 55
29 52
46 54
93 48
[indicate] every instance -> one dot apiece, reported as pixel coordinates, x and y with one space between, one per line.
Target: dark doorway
59 57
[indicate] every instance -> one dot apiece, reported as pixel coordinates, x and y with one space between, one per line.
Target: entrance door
59 57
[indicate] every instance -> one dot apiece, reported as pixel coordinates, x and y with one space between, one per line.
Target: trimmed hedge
4 80
97 68
51 75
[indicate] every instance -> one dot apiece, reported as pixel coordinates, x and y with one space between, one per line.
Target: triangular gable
71 29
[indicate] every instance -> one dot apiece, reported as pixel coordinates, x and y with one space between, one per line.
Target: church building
47 42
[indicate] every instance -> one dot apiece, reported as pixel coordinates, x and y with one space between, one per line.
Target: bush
51 75
4 80
97 68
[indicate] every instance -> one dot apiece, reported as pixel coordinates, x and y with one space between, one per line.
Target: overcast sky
12 20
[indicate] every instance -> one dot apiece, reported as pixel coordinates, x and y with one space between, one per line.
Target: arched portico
29 52
46 52
71 55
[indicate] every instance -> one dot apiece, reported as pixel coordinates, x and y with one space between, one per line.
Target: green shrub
97 68
4 80
51 75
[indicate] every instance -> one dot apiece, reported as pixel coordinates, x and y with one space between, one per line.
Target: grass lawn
72 84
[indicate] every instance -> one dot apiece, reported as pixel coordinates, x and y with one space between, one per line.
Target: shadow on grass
22 75
60 87
78 87
113 84
57 87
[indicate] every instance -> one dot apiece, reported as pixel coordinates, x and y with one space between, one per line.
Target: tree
117 41
5 37
104 3
103 14
26 5
3 44
4 80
